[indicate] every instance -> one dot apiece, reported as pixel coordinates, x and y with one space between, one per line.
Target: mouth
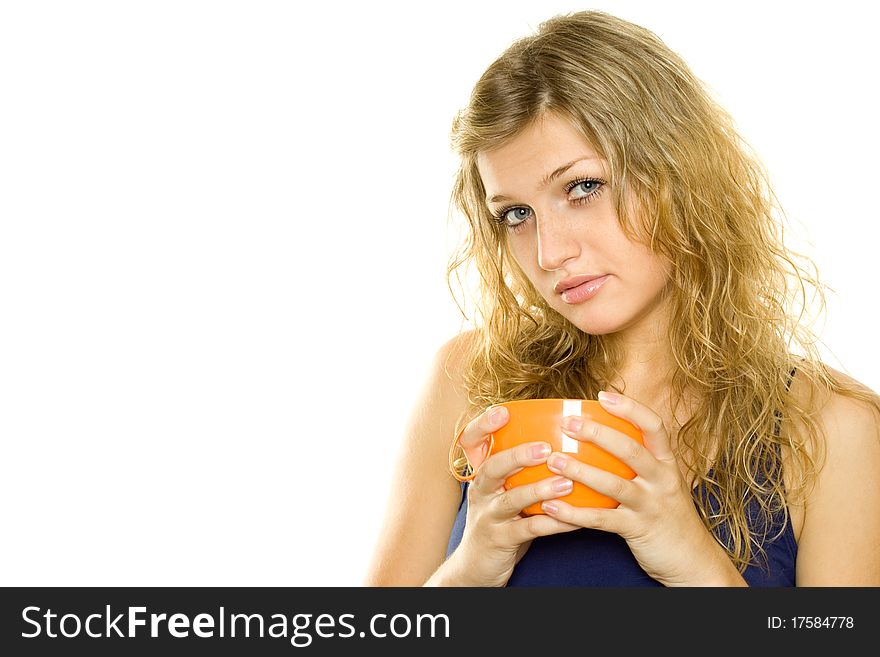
584 291
574 281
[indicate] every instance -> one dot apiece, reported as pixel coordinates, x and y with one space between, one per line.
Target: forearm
717 569
451 573
720 570
723 573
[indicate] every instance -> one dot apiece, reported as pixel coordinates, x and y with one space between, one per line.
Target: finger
606 520
618 444
474 441
498 467
538 525
512 502
656 437
478 429
625 491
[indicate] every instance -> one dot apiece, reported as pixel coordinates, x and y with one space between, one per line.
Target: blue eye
592 186
501 216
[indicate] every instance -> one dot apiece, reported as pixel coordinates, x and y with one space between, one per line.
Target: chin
599 331
595 327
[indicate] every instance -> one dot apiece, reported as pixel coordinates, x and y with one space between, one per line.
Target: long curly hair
703 199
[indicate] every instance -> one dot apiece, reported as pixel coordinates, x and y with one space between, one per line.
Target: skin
837 529
557 238
553 237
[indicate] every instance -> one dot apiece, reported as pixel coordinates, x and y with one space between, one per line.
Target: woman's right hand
496 534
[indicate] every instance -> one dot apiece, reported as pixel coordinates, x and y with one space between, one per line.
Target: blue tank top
590 557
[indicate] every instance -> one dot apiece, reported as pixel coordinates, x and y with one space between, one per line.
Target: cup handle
475 455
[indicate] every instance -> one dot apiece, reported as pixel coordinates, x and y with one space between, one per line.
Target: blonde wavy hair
702 199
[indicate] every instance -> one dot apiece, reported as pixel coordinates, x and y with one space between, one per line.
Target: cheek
639 257
654 280
522 252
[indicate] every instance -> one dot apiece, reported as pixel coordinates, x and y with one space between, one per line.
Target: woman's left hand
656 515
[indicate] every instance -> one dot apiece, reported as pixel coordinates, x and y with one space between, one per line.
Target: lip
584 291
574 281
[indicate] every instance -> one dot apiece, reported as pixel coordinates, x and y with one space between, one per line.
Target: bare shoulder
847 422
851 430
444 387
452 353
424 495
841 525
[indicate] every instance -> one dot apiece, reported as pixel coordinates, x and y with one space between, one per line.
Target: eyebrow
548 179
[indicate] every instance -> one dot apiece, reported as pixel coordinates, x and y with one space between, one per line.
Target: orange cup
541 420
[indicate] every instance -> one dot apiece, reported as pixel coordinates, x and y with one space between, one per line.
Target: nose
557 242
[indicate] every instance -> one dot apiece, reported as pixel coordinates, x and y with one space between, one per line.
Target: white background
223 247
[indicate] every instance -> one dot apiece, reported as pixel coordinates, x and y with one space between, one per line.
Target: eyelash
502 213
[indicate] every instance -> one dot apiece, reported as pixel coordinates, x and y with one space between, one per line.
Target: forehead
533 155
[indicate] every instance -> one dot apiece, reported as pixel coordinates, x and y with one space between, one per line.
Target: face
569 227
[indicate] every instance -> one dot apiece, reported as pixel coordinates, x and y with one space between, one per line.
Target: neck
652 387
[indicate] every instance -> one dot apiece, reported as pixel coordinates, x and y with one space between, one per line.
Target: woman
590 150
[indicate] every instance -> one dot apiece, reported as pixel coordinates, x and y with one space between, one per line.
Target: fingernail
573 423
549 507
562 485
609 398
540 451
497 415
556 463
